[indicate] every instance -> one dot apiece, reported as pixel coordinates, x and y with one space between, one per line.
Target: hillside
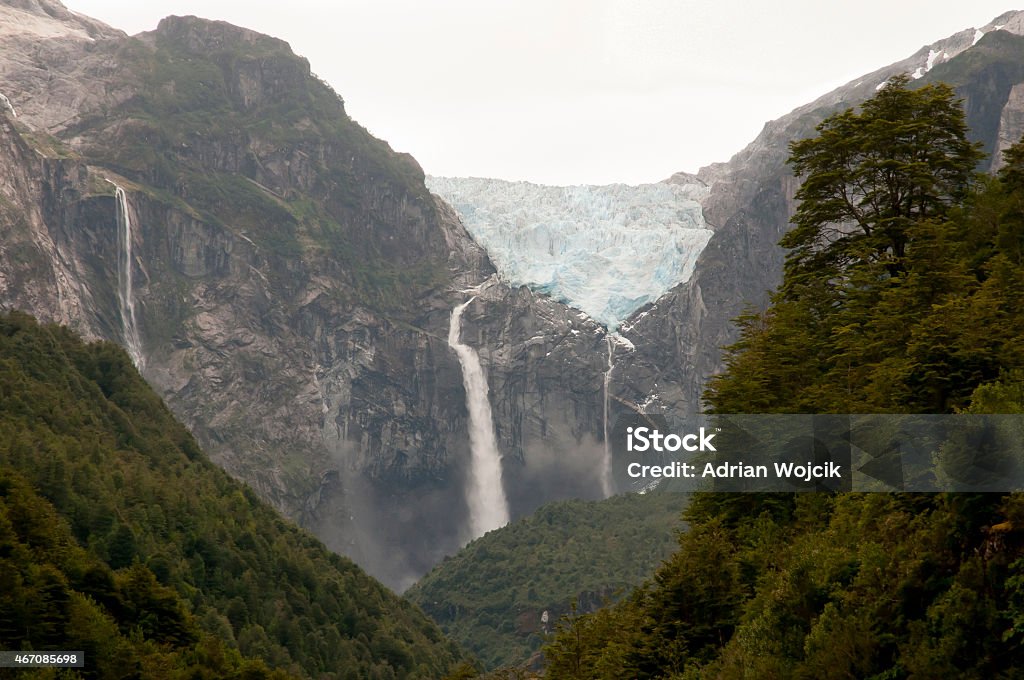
915 308
679 340
491 595
120 538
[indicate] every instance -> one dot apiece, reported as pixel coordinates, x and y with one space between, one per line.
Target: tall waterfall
606 471
125 296
488 508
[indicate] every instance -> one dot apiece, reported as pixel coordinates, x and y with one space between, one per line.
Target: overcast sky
577 91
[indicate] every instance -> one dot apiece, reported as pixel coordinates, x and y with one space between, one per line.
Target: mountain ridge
294 283
751 200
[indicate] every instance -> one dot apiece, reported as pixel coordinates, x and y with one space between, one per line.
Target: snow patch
649 401
605 250
933 56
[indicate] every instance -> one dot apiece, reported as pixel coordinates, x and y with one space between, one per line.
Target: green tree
879 240
870 176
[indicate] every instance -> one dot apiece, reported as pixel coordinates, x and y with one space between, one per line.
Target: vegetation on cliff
902 293
118 537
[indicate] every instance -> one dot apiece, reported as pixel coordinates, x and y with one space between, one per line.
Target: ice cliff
605 250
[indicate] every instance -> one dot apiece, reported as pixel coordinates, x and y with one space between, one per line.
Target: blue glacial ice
605 250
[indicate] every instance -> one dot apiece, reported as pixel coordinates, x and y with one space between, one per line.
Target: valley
425 373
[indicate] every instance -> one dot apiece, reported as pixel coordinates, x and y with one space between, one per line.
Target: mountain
915 309
286 282
119 538
678 338
283 279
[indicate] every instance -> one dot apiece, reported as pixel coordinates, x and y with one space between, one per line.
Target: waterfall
125 297
606 472
485 495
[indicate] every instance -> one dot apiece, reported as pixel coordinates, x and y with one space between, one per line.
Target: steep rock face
40 202
293 279
545 392
41 42
545 363
679 338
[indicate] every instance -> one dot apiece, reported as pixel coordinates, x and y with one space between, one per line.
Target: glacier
605 250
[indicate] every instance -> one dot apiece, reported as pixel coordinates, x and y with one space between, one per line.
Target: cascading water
488 508
606 472
125 296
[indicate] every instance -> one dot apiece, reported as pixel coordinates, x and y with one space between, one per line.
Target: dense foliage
491 595
902 293
118 537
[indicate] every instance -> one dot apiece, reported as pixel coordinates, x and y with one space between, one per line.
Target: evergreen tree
870 176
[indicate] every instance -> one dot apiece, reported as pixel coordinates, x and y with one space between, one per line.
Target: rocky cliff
293 279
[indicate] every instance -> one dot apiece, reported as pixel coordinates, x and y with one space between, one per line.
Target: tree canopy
118 537
869 176
903 292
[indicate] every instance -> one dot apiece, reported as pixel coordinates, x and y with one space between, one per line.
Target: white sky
577 91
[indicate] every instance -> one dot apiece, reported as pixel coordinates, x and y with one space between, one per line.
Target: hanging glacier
605 250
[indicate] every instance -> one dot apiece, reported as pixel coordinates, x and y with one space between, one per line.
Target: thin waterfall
125 295
606 471
488 508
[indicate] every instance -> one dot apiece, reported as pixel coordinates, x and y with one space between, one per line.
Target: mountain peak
1012 21
205 35
45 19
943 50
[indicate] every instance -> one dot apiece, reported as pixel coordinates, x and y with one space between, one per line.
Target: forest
119 538
902 293
490 596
